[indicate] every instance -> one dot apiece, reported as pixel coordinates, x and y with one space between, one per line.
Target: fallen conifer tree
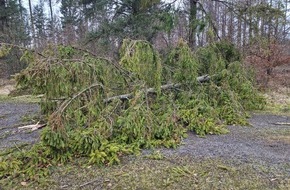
106 109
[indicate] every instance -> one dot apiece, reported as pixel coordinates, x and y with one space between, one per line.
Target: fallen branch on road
281 123
33 127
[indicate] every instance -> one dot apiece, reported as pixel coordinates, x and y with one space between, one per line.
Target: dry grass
282 138
176 172
278 101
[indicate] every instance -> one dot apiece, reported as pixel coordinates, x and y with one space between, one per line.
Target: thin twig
17 146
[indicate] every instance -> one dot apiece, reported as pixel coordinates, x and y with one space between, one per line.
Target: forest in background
259 28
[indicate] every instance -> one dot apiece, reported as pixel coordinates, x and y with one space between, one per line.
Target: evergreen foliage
140 58
183 65
82 123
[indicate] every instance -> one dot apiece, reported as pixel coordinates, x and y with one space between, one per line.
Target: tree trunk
224 22
20 9
217 16
192 23
239 34
231 27
50 8
3 18
270 25
200 79
245 29
250 20
32 23
285 21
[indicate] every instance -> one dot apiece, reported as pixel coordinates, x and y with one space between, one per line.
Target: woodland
119 76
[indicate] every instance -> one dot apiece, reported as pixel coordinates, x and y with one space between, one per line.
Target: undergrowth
85 121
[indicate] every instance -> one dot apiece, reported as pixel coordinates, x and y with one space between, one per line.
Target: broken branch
33 127
281 123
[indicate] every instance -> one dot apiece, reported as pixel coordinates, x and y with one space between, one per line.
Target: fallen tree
95 121
200 79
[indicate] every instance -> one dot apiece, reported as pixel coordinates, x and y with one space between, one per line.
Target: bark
239 35
231 26
50 8
245 29
32 21
200 79
192 23
224 23
285 20
3 18
216 16
250 21
20 9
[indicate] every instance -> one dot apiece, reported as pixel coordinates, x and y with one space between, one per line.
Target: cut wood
200 79
281 123
33 127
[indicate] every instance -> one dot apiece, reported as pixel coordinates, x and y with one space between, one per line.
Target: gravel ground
243 143
262 143
264 146
13 115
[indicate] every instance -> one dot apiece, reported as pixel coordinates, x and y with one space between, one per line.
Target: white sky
56 6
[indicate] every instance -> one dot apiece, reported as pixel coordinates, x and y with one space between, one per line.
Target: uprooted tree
100 109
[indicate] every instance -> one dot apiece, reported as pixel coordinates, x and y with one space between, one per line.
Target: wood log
201 79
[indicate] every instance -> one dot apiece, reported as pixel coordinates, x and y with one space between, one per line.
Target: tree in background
14 29
101 108
102 25
40 22
69 19
115 20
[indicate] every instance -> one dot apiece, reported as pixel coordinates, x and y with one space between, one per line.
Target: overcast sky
56 6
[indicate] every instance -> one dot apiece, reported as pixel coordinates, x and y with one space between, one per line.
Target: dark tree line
110 21
102 25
